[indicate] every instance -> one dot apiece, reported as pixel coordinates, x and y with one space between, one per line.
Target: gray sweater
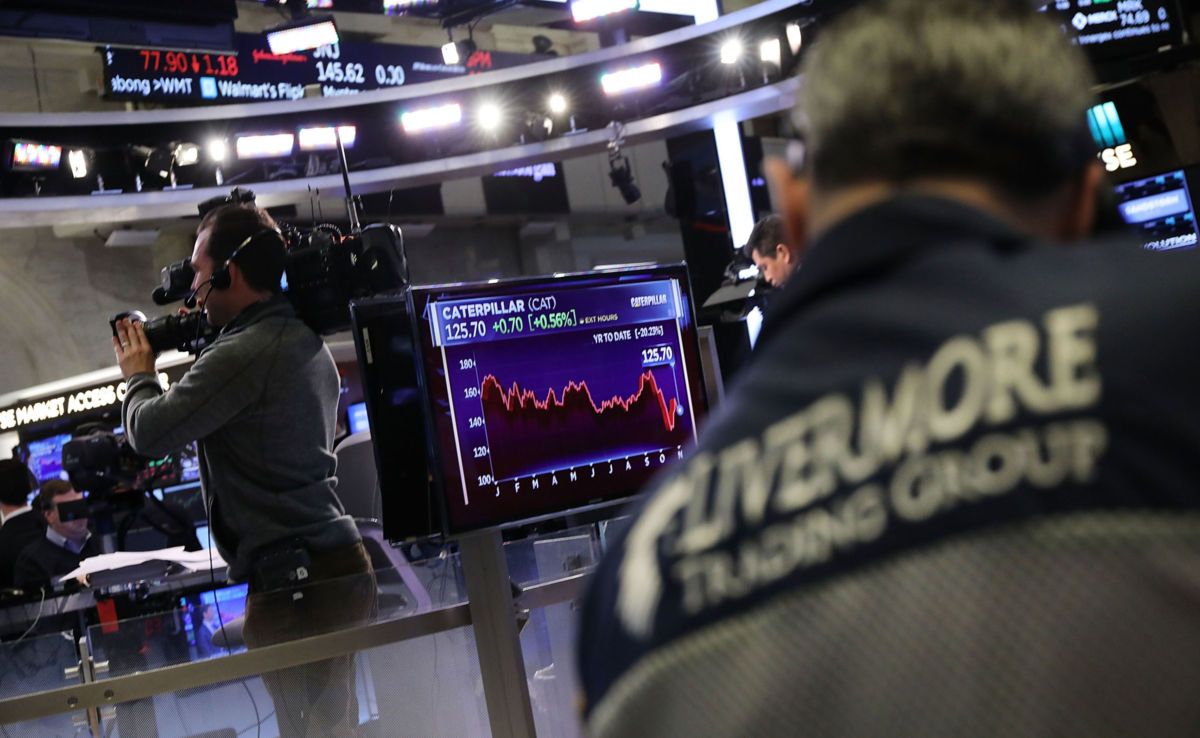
262 401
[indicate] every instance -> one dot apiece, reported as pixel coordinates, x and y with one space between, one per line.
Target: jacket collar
876 239
264 308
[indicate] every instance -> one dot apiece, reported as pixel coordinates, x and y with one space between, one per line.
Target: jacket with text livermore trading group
261 400
956 491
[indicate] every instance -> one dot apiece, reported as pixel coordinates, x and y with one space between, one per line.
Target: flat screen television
1107 29
551 394
387 363
229 601
356 416
1160 209
45 457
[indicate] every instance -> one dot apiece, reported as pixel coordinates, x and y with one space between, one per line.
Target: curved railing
695 89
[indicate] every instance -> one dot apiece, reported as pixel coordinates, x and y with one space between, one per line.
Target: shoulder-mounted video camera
323 270
101 461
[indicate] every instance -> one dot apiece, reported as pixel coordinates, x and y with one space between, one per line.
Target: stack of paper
202 560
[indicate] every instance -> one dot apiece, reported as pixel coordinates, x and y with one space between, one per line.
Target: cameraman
261 402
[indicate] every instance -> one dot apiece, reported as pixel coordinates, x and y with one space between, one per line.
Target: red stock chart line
528 435
574 394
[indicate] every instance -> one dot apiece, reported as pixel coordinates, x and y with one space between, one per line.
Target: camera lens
180 332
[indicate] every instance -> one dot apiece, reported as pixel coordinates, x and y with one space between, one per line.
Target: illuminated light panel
586 10
39 156
262 147
323 139
287 40
415 121
319 4
634 78
489 117
187 154
558 103
795 37
770 52
450 52
78 161
731 51
393 6
216 149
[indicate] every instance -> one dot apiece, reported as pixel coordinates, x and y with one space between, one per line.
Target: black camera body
323 271
101 461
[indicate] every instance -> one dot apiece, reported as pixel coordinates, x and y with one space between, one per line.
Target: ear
1078 214
235 274
791 198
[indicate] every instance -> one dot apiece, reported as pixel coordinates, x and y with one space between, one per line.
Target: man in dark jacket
64 544
261 400
19 524
956 490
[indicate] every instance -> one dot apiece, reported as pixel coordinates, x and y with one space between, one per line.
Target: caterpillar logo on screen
1107 131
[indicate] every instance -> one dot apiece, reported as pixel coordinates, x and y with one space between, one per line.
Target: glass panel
548 645
36 664
548 638
423 686
209 624
550 557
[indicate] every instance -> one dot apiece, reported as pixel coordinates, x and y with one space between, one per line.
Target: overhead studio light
391 7
489 117
159 162
621 174
634 78
34 156
302 34
586 10
731 51
77 159
265 146
325 138
217 149
457 52
557 103
444 116
795 37
186 154
770 52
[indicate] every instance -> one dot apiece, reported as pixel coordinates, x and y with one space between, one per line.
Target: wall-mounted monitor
1107 29
356 416
45 457
33 157
1160 209
546 395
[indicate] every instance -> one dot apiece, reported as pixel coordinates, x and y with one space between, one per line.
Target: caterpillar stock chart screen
559 393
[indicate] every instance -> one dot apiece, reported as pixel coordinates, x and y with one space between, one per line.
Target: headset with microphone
221 278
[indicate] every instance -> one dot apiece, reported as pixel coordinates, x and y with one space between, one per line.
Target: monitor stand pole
497 640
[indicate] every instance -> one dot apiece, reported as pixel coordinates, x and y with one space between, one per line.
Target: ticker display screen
1107 29
254 74
559 393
